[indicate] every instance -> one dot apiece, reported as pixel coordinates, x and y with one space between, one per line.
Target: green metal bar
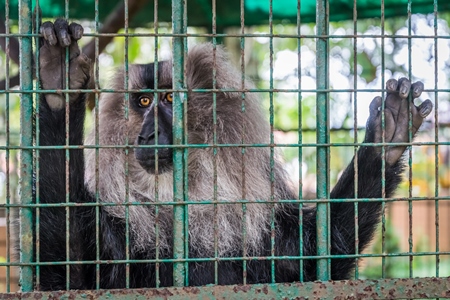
272 142
240 201
37 22
383 149
436 138
26 139
300 139
127 152
179 270
97 149
355 129
322 46
185 151
156 191
243 170
423 288
228 259
313 145
8 198
215 196
260 90
249 35
410 170
67 152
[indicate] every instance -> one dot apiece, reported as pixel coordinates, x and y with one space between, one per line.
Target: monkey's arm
53 124
54 129
369 174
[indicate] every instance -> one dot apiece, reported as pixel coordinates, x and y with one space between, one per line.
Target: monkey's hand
57 37
397 111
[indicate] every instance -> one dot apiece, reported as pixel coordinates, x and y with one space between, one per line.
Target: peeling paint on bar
346 289
26 140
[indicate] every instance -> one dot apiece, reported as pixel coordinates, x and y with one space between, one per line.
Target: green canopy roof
228 11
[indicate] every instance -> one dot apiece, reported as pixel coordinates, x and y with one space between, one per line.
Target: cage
222 214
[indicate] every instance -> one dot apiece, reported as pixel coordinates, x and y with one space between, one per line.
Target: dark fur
83 246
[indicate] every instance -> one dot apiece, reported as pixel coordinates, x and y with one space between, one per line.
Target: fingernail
52 40
425 111
65 38
403 90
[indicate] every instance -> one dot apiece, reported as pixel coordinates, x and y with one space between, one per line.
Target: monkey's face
156 130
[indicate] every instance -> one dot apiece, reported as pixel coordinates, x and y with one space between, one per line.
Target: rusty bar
37 242
300 138
26 139
424 288
409 150
355 130
436 139
383 149
179 238
323 135
97 143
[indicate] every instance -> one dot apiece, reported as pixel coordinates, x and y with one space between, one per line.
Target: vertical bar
383 149
26 140
272 149
322 137
243 149
8 153
185 150
355 130
215 197
97 149
436 136
67 152
300 138
410 175
155 97
127 151
178 30
37 22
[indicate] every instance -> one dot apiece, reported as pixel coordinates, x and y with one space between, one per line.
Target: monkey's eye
169 97
145 101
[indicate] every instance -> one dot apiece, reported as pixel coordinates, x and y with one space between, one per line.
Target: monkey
123 195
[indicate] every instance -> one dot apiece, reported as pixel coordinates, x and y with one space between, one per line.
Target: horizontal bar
218 259
223 202
248 35
192 146
358 289
225 90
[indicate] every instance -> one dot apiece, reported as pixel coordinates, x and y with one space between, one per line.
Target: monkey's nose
145 139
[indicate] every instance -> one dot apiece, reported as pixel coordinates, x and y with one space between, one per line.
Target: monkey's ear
203 59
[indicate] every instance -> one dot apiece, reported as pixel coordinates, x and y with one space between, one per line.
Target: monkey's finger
48 32
417 89
419 113
76 31
404 86
375 106
391 85
425 108
62 32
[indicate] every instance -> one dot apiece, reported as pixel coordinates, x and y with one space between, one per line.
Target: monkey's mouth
152 161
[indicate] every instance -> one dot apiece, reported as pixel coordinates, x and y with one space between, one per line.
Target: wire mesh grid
218 209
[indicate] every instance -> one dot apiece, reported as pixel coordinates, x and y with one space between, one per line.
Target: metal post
322 138
26 141
179 238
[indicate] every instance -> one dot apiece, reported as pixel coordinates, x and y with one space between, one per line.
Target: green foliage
403 266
